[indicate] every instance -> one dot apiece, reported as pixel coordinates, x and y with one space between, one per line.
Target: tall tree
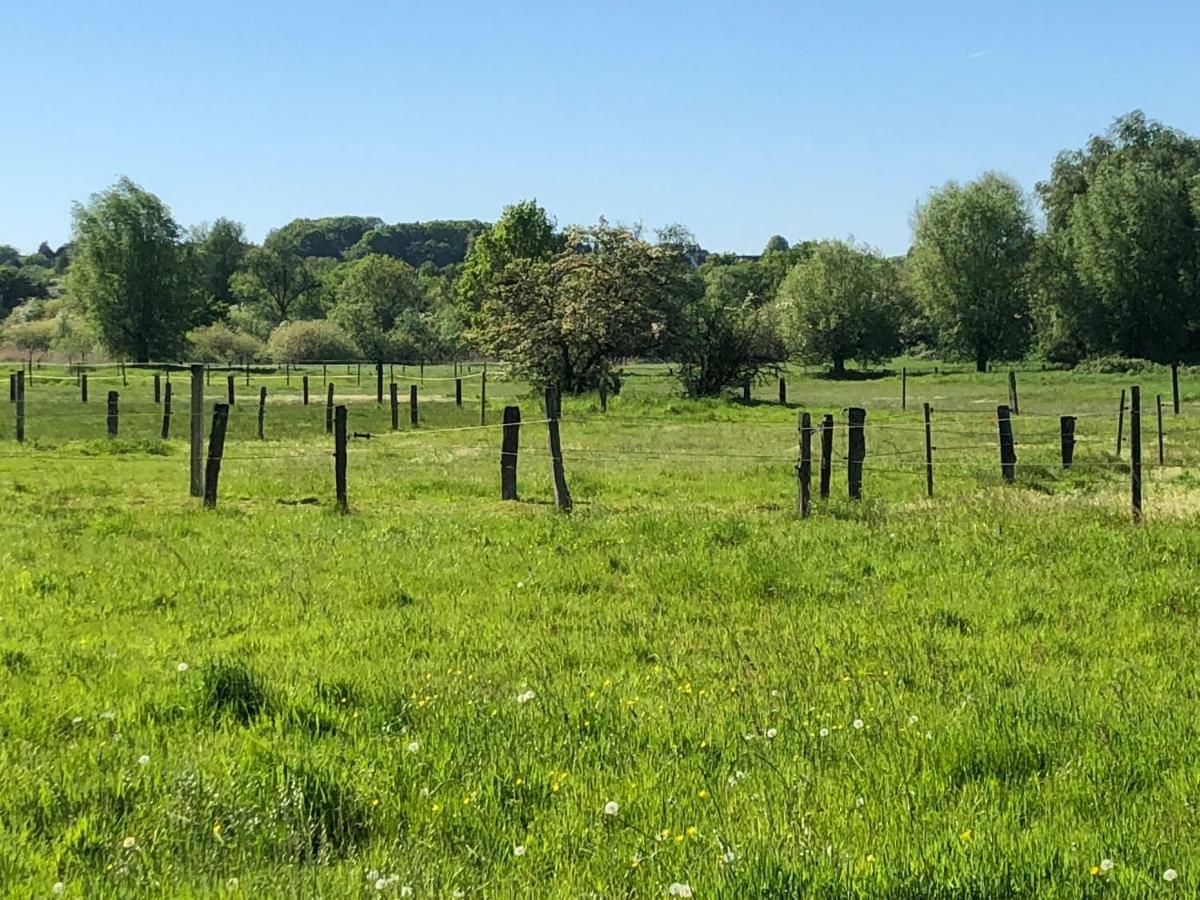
525 232
220 249
276 278
133 273
971 246
378 302
841 304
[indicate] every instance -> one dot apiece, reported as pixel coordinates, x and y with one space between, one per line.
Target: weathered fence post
207 375
562 496
483 396
393 388
262 410
339 459
1013 404
509 445
12 387
1135 451
166 422
856 449
113 398
287 374
124 377
928 451
196 451
746 390
379 383
1175 386
216 447
229 382
246 365
19 385
604 393
1008 452
782 392
83 388
826 454
305 389
1066 432
904 387
358 374
324 373
412 405
1121 422
1161 456
804 467
157 389
457 392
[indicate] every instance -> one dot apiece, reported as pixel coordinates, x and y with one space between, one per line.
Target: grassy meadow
679 689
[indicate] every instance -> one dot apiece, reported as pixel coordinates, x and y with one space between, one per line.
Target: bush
219 343
310 341
1116 365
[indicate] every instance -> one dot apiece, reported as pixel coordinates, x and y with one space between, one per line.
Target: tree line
1111 268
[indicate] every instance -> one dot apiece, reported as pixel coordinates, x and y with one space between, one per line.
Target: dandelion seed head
129 843
679 889
525 697
182 667
771 732
144 760
519 850
824 732
858 723
1106 865
413 747
59 887
1170 875
611 808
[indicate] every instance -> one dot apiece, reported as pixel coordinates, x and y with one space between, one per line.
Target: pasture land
986 694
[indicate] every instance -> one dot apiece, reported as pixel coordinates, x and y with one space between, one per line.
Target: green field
986 694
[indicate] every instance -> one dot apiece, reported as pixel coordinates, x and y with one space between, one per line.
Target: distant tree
680 238
275 278
972 244
220 343
378 302
841 304
32 338
74 336
132 273
310 341
21 283
332 236
442 243
776 244
220 249
9 256
524 232
566 320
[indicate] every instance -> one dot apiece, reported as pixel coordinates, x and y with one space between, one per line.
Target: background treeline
1108 266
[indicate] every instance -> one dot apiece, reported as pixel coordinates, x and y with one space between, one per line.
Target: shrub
220 343
310 341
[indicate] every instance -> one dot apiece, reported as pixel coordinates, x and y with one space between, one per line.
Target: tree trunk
839 366
981 361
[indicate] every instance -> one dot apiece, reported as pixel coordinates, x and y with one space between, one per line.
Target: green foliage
220 343
219 251
277 280
525 232
10 256
378 302
74 336
311 341
972 244
332 236
841 304
566 321
776 244
442 243
33 337
19 283
133 273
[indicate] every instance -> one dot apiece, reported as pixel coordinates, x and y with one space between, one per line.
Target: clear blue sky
737 119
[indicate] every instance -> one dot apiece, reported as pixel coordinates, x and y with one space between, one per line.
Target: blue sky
738 120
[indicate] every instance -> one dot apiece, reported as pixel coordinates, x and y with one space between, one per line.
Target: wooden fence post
746 390
329 408
782 392
1014 405
458 392
229 382
604 393
287 374
216 447
1135 451
19 385
1121 421
928 451
208 375
904 387
157 389
1008 452
804 467
1161 456
826 454
1066 431
12 387
324 373
124 377
339 459
562 496
509 446
196 451
393 388
166 422
113 398
483 396
1175 386
262 409
856 449
304 384
379 383
412 405
83 388
246 365
358 374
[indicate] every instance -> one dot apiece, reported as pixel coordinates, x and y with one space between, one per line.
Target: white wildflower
680 889
144 760
1106 865
525 697
858 723
413 747
1170 875
519 850
611 808
771 732
182 667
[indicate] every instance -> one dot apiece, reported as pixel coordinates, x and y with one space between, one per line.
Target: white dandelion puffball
824 732
519 850
129 843
1106 865
59 887
1170 875
611 808
858 723
525 697
413 747
912 720
860 802
182 667
459 892
729 857
380 884
680 889
406 890
771 732
143 760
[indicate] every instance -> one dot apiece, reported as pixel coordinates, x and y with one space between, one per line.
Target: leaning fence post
562 496
509 445
412 405
1135 451
928 451
339 459
1066 431
856 449
262 409
329 408
1012 393
216 447
804 467
19 385
166 423
826 454
83 388
113 398
1008 452
1161 456
1120 421
229 382
1175 386
157 388
393 387
196 451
